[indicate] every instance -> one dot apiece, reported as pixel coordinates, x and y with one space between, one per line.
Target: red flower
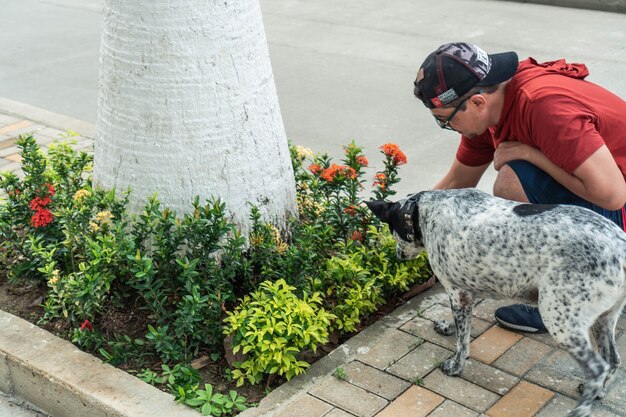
358 236
41 218
315 169
350 210
86 325
38 203
393 151
50 189
362 160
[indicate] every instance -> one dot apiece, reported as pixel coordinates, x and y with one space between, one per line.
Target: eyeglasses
445 124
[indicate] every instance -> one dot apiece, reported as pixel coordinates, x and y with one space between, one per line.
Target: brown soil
24 300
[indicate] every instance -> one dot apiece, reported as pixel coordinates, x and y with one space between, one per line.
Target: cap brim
503 67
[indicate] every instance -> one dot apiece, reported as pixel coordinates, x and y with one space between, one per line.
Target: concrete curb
616 6
47 118
57 377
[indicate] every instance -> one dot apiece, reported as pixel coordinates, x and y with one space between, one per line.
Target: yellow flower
256 239
104 217
282 247
80 194
94 227
304 152
55 277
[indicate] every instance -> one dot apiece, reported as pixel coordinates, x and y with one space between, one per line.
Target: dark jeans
540 188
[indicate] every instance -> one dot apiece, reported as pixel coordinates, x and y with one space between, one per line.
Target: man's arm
461 176
597 180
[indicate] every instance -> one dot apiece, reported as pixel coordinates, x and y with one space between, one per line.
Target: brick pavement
391 368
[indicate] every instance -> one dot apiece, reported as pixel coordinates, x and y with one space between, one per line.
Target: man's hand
511 151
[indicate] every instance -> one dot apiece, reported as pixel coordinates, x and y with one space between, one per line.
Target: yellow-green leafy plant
272 326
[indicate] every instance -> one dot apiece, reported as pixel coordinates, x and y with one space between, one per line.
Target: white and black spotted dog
568 260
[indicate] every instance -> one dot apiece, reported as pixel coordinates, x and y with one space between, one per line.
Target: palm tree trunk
187 106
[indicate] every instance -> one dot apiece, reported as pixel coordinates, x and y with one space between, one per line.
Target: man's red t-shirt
551 107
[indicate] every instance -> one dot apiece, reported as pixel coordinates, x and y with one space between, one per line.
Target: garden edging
63 381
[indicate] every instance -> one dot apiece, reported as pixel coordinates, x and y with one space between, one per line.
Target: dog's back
512 249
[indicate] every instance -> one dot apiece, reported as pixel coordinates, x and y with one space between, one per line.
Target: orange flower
348 172
393 151
362 160
330 173
381 180
315 169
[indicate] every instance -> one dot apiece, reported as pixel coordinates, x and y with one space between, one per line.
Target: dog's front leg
461 303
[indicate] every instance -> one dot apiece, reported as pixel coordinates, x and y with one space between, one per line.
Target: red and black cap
455 68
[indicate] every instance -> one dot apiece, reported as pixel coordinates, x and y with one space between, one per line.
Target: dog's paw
451 367
445 328
581 389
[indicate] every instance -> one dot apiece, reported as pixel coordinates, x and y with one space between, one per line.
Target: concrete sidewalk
388 370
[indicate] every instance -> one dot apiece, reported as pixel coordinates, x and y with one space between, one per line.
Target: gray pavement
343 70
11 406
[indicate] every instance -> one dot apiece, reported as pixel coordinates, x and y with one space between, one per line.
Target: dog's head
403 220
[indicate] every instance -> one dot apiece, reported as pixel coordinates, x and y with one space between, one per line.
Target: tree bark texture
187 106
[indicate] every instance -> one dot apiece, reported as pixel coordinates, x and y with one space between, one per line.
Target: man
552 136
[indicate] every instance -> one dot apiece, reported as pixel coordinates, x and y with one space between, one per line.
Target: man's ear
382 209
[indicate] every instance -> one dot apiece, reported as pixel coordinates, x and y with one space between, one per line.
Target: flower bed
158 293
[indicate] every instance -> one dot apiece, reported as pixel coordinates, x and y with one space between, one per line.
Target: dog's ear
382 209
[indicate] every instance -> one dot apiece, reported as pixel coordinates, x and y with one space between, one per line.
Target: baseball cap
455 68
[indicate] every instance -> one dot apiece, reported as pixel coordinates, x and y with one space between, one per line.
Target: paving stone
337 412
5 120
460 391
558 406
14 167
492 344
486 308
414 306
8 143
306 406
544 338
51 132
10 128
419 362
621 322
14 158
375 381
27 130
621 348
616 394
415 402
488 377
388 348
558 372
522 401
9 151
3 162
522 356
423 328
450 408
348 397
439 312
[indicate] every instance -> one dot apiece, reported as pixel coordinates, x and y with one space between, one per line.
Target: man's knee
508 185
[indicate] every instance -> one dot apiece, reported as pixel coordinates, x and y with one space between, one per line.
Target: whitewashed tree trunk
187 106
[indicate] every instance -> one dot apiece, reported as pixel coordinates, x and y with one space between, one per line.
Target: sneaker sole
520 328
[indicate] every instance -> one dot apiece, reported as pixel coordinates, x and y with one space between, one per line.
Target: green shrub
271 326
